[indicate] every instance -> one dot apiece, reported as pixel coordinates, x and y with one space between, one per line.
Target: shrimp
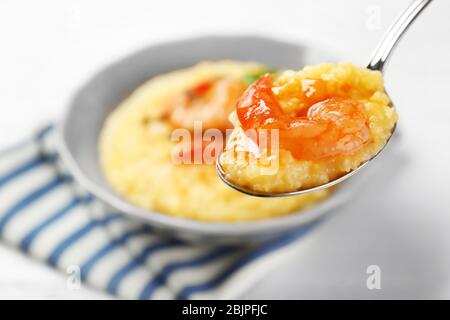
331 127
209 102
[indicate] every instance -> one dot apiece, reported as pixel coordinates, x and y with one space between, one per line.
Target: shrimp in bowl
320 123
202 108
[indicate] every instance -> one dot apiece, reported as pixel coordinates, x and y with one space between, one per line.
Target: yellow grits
361 84
135 156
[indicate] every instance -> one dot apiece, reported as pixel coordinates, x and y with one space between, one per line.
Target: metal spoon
379 58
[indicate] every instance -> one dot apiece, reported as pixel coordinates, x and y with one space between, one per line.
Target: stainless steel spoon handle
394 33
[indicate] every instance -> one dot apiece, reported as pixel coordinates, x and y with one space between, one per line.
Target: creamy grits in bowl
135 153
117 138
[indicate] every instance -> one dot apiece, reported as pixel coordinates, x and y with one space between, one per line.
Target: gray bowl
80 127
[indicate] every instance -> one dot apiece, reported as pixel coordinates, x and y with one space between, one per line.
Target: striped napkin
44 213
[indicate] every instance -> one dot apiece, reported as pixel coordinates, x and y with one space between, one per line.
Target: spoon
377 62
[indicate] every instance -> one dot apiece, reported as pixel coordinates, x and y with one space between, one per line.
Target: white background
400 221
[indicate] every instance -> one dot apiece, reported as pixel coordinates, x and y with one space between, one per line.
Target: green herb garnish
252 77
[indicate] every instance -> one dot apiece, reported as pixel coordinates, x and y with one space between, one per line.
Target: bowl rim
166 221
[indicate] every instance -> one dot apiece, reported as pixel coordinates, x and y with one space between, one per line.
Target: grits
341 80
135 156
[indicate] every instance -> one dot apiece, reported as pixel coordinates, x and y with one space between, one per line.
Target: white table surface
400 221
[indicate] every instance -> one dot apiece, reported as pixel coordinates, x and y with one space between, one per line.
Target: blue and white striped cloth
49 217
